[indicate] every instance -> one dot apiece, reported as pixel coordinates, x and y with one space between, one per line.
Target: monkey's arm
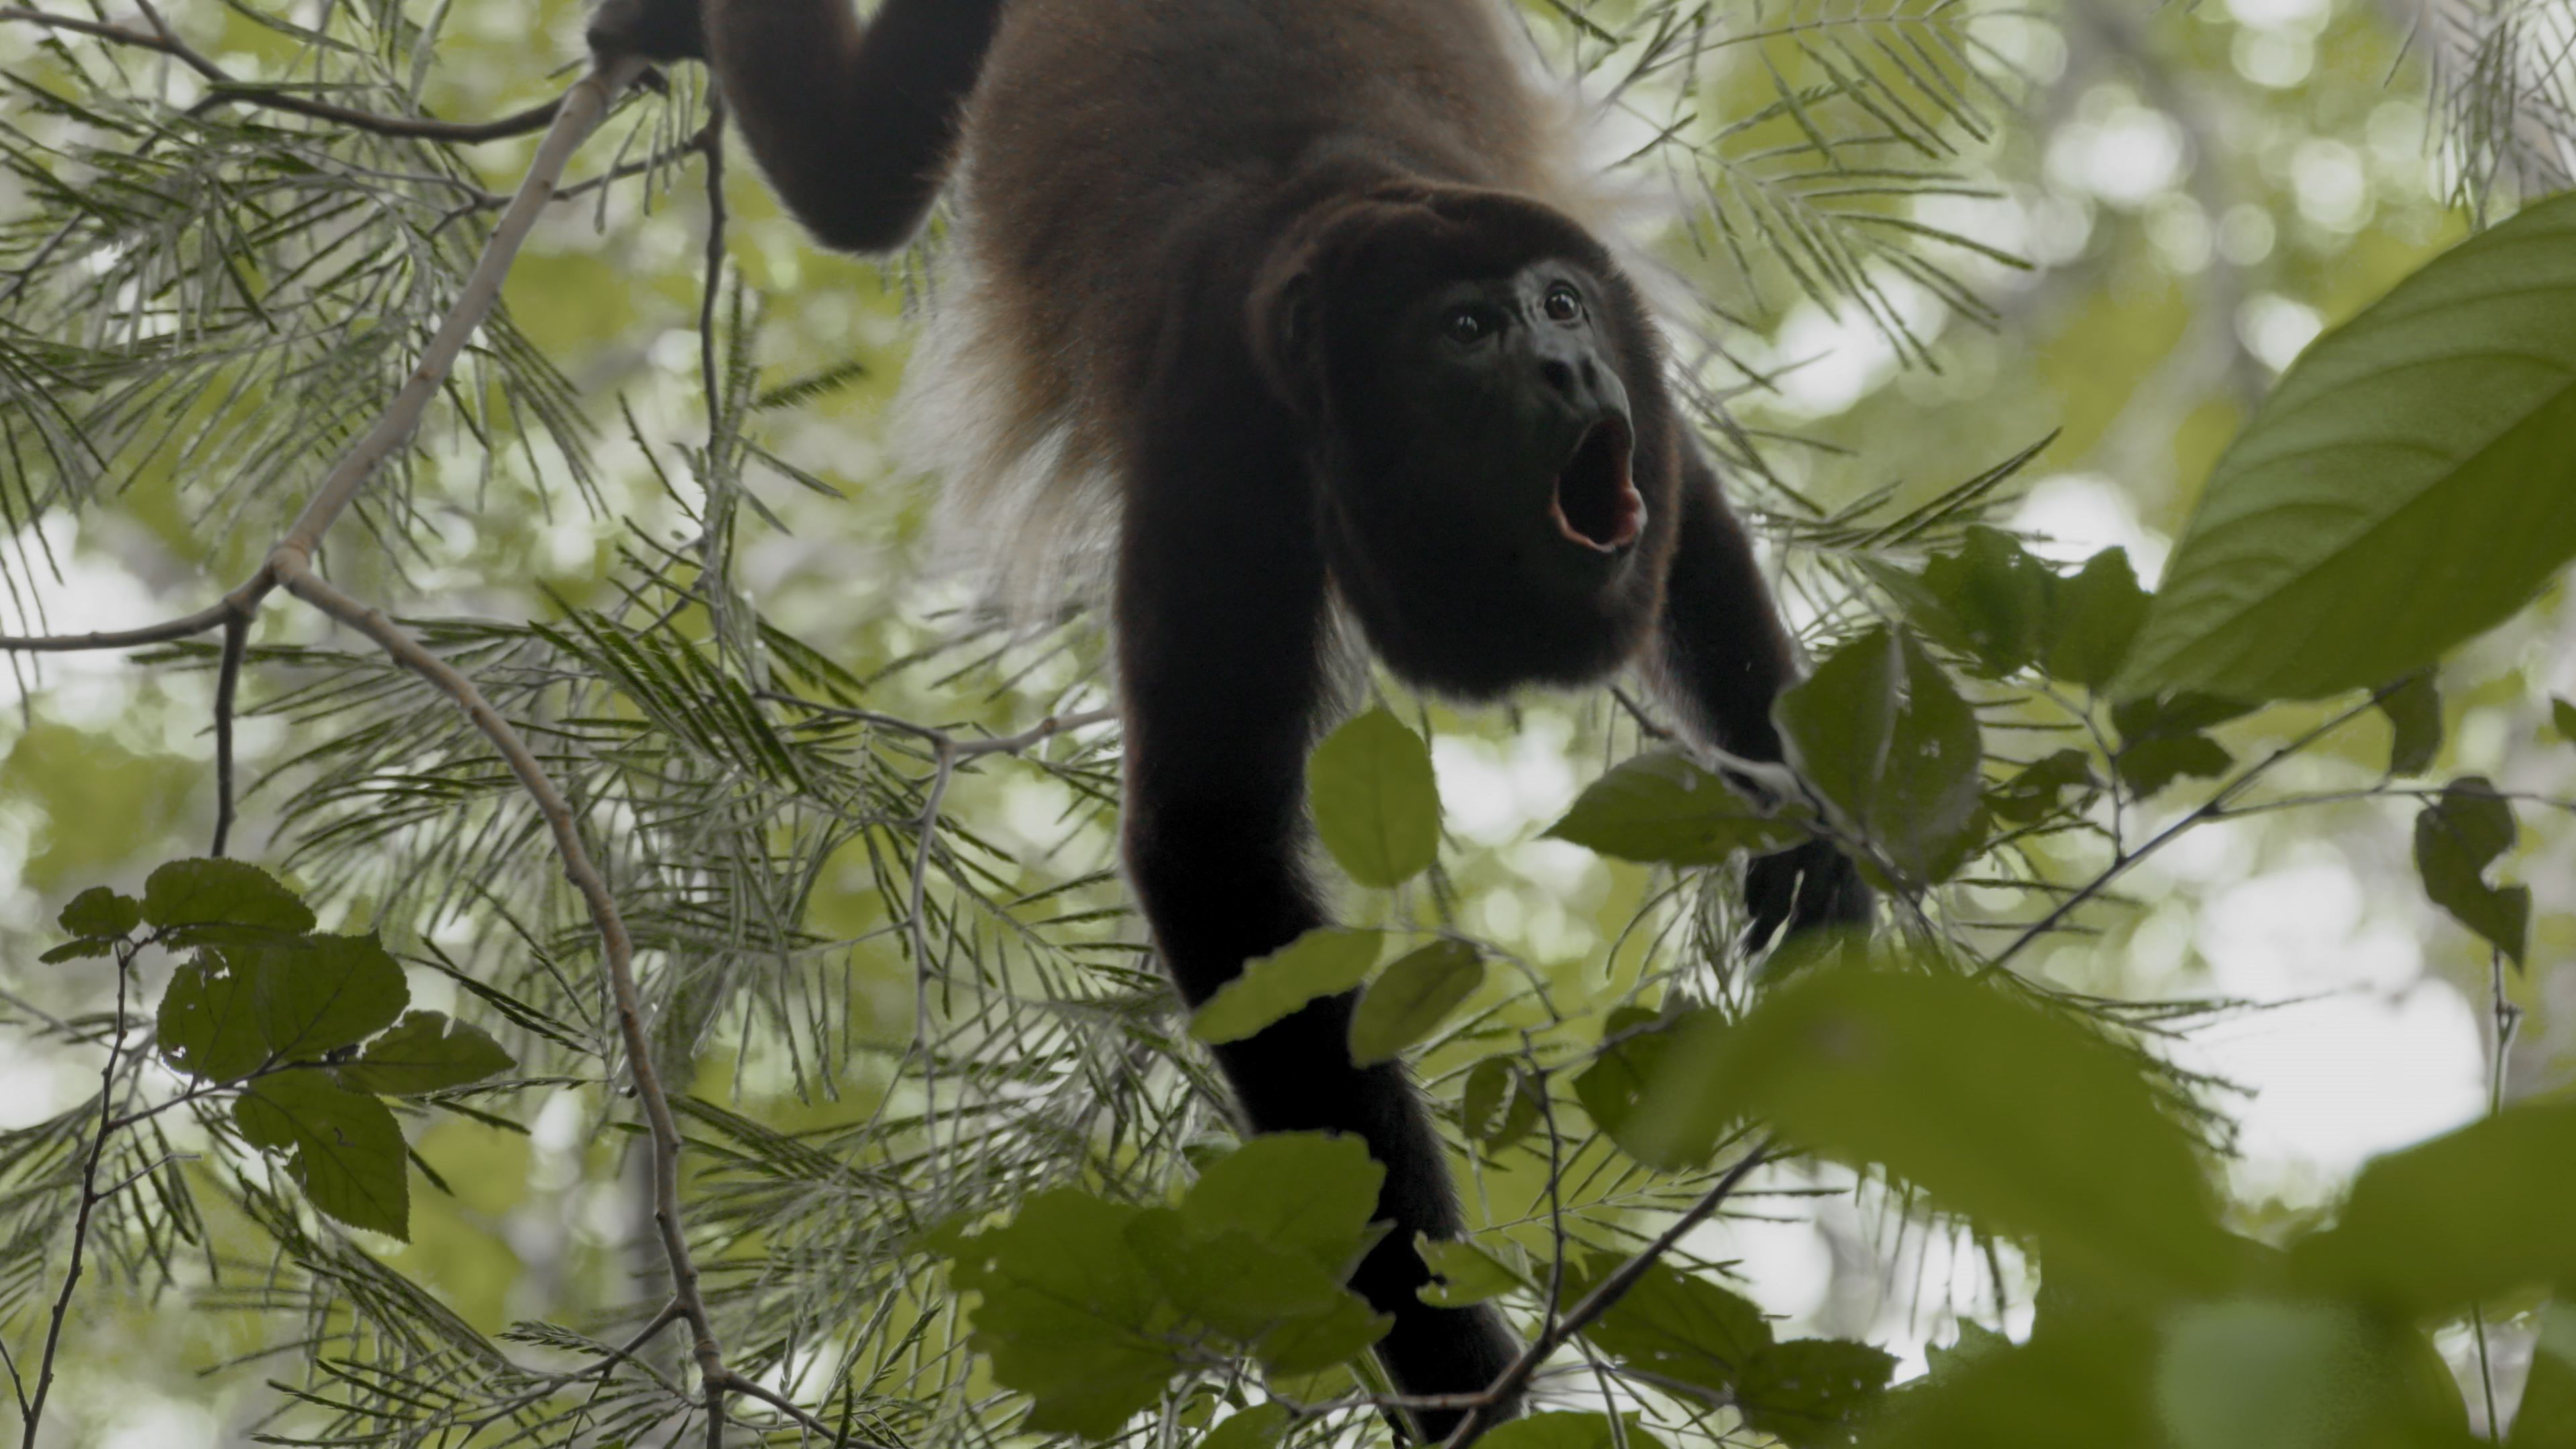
853 124
1725 659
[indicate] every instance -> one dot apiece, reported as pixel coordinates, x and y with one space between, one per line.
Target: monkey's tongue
1595 504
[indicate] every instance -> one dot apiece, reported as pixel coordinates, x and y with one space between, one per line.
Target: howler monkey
1282 310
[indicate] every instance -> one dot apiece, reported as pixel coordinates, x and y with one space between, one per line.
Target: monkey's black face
1482 503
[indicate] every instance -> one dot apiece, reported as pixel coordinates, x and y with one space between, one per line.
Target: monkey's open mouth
1596 505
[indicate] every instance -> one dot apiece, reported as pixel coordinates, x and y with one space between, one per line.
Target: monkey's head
1493 448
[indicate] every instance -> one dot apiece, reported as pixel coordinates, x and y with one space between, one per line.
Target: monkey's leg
1220 603
1726 658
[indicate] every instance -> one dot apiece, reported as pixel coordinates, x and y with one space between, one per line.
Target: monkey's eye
1562 303
1467 326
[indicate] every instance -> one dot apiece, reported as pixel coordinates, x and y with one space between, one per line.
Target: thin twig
228 89
227 691
1482 1408
89 1200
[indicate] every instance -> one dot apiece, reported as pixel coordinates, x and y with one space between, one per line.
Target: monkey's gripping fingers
653 29
1806 887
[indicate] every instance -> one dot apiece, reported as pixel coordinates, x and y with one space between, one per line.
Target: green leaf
348 1150
2017 1115
2096 618
2161 740
1070 1316
1319 1341
1258 1427
1481 1100
2562 717
1989 600
221 892
2084 1384
1673 1324
1308 1193
2452 1222
1813 1392
2252 1373
2414 710
2547 1417
1413 996
1880 732
2404 487
1569 1429
1231 1281
1634 1044
2456 837
80 949
1375 805
2033 792
1468 1274
1666 808
231 1011
1975 1344
99 911
1323 962
424 1052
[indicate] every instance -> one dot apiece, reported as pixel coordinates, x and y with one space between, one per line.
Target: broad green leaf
1468 1274
1568 1429
2016 1115
1634 1044
2456 838
1882 734
1231 1280
348 1150
1673 1324
2562 717
2441 1226
221 892
1413 996
1376 807
1319 1341
2086 1384
1307 1193
1070 1316
1669 809
1480 1102
2161 740
1989 600
1975 1344
2253 1373
2546 1418
99 911
2095 619
208 1026
2407 484
1323 962
1813 1392
79 949
2414 710
233 1010
425 1052
2033 792
1258 1427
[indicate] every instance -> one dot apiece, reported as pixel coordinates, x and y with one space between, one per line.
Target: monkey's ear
1280 323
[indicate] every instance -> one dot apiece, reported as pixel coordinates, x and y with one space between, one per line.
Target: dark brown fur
1190 232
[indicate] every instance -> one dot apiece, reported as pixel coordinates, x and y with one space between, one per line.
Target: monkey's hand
653 29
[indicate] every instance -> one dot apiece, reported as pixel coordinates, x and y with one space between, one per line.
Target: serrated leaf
1569 1429
425 1052
99 911
1308 1193
2456 837
1989 600
2095 619
2015 1115
1666 808
2458 1220
1882 734
1673 1324
221 892
1258 1427
347 1149
1376 806
2414 710
2403 488
231 1011
2161 740
1466 1274
1230 1280
1070 1316
1811 1393
85 947
1322 962
1319 1341
1413 996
